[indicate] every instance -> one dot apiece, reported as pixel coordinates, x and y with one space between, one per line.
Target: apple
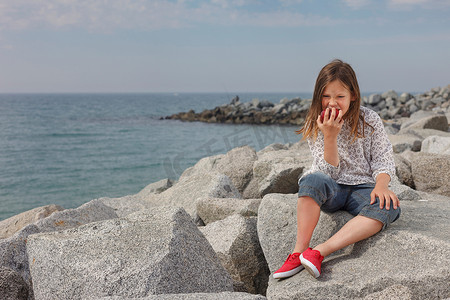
322 115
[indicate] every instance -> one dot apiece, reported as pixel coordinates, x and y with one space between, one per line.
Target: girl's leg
308 212
355 230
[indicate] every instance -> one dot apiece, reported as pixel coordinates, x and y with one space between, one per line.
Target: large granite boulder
157 251
196 296
403 169
12 285
436 121
277 227
414 252
430 173
145 199
436 144
235 241
13 224
13 249
190 189
278 170
215 209
238 165
404 142
123 206
156 187
402 191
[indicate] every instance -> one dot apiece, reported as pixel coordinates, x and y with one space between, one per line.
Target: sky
126 46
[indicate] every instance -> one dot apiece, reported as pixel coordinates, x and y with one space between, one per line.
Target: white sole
288 273
310 267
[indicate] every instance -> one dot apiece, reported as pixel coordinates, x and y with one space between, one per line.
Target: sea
68 149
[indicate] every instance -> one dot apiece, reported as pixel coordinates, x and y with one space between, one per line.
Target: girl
352 167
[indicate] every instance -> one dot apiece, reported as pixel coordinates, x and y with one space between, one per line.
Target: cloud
409 4
151 14
356 4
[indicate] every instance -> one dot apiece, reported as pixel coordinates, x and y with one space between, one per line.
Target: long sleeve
382 155
360 161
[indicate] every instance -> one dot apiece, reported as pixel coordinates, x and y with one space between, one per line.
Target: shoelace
292 257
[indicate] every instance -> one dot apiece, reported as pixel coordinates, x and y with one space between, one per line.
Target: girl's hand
385 195
331 124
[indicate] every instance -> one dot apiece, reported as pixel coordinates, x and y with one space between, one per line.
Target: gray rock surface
404 142
430 173
13 249
438 122
402 191
394 292
195 296
149 252
13 224
12 285
277 227
278 171
238 165
396 256
235 241
189 189
156 187
215 209
436 144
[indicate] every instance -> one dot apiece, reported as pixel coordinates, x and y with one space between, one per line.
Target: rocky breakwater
228 223
287 112
389 105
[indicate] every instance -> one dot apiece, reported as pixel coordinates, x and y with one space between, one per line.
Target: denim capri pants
355 199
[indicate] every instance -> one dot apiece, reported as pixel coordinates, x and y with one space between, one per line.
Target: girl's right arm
330 129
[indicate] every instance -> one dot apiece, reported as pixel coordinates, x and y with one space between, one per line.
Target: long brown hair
335 70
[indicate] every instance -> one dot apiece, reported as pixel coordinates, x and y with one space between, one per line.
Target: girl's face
336 95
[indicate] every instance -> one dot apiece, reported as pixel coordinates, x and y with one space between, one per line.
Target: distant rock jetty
389 105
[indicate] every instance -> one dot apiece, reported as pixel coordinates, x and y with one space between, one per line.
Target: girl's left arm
382 165
384 194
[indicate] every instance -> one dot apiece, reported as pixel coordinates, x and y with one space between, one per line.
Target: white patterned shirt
360 161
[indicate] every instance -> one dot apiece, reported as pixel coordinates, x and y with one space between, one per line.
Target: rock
197 296
277 227
189 189
235 241
204 165
277 109
126 205
12 285
11 225
436 144
279 171
390 94
374 99
215 209
421 236
430 173
273 147
158 251
438 122
404 97
403 170
13 249
235 100
394 292
403 142
424 133
156 187
237 164
403 192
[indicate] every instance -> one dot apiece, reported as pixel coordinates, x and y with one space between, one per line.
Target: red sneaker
290 267
312 261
